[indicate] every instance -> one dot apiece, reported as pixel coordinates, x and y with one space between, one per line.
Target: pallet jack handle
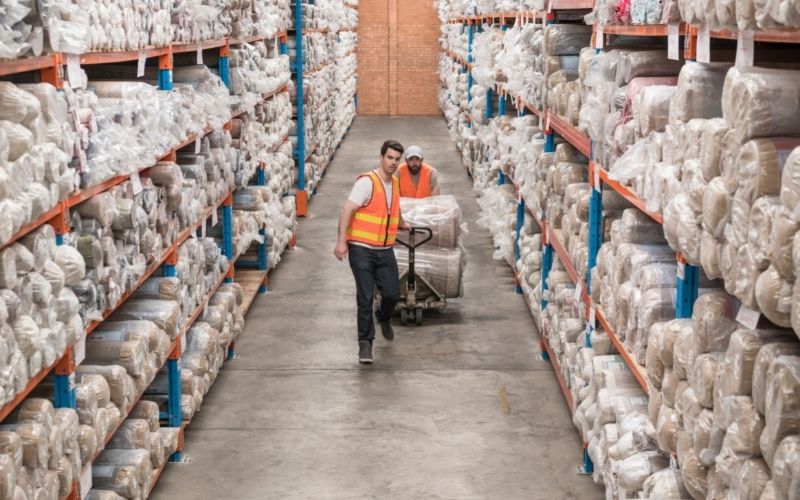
412 245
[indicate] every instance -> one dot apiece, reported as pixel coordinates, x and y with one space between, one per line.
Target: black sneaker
365 351
386 330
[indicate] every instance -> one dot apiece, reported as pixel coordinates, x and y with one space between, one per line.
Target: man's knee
392 296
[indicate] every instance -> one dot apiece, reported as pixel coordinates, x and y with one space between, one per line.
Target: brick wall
398 47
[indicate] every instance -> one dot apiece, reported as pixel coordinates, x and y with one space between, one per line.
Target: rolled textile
11 445
34 437
566 39
784 229
652 114
786 468
441 267
745 427
441 214
714 321
653 363
170 438
164 313
694 475
752 479
148 411
666 484
702 377
774 297
796 305
88 442
119 383
645 63
138 459
790 183
712 147
736 370
121 479
761 102
634 470
782 417
764 359
760 163
699 92
130 354
669 423
716 207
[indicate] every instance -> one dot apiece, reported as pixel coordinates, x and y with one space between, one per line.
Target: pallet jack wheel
418 316
403 316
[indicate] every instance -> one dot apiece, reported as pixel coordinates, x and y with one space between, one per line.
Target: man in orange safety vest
417 178
368 225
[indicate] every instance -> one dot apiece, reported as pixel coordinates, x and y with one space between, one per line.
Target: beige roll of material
790 182
712 147
100 424
170 438
729 161
120 386
716 488
784 230
745 427
164 313
36 411
769 492
65 477
154 443
702 377
11 445
138 459
782 404
759 166
689 408
761 102
669 423
796 306
441 213
160 289
443 268
786 468
131 435
698 92
666 484
35 449
653 364
774 297
88 442
102 495
158 341
710 255
634 470
147 411
759 228
121 479
99 385
751 480
706 437
682 354
653 405
684 445
739 363
694 475
747 274
8 477
129 354
729 465
766 356
670 333
713 320
716 207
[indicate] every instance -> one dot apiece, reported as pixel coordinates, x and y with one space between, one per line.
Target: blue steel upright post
224 65
298 68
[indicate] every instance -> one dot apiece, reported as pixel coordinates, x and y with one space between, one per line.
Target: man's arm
435 191
345 216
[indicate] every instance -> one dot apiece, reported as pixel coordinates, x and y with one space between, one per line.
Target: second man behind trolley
417 178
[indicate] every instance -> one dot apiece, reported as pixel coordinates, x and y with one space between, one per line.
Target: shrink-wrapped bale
441 214
158 342
714 321
170 438
119 383
11 445
35 449
745 427
71 262
154 443
160 289
707 437
99 385
65 476
716 207
131 435
784 229
634 471
653 364
782 404
441 267
711 256
762 213
121 479
130 354
653 108
786 468
790 183
148 411
164 313
694 475
36 410
88 442
751 480
759 166
774 297
766 356
699 91
665 484
8 477
138 459
704 373
667 427
736 371
761 102
682 354
96 494
566 39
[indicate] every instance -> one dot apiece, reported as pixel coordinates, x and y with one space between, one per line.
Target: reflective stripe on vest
407 187
375 223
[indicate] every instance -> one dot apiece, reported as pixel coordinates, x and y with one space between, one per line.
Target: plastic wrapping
782 416
164 313
130 354
694 475
790 183
566 39
121 479
634 471
736 371
764 359
440 213
774 297
35 449
786 468
119 382
714 321
761 102
441 267
703 375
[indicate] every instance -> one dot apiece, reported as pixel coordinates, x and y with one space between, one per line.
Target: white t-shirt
362 193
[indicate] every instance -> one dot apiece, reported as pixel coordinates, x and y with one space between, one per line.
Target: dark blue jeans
373 268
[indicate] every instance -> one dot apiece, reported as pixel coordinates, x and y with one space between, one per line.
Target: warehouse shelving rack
301 152
51 70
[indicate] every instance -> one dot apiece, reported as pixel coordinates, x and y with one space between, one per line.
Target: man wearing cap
417 178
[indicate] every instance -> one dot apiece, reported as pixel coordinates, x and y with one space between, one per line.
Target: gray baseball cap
413 151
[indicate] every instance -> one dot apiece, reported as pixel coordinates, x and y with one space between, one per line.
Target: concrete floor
461 408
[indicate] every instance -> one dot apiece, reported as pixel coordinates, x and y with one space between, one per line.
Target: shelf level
628 194
580 141
776 35
638 372
25 64
638 29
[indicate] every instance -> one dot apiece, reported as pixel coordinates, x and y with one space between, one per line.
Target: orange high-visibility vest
407 187
375 223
